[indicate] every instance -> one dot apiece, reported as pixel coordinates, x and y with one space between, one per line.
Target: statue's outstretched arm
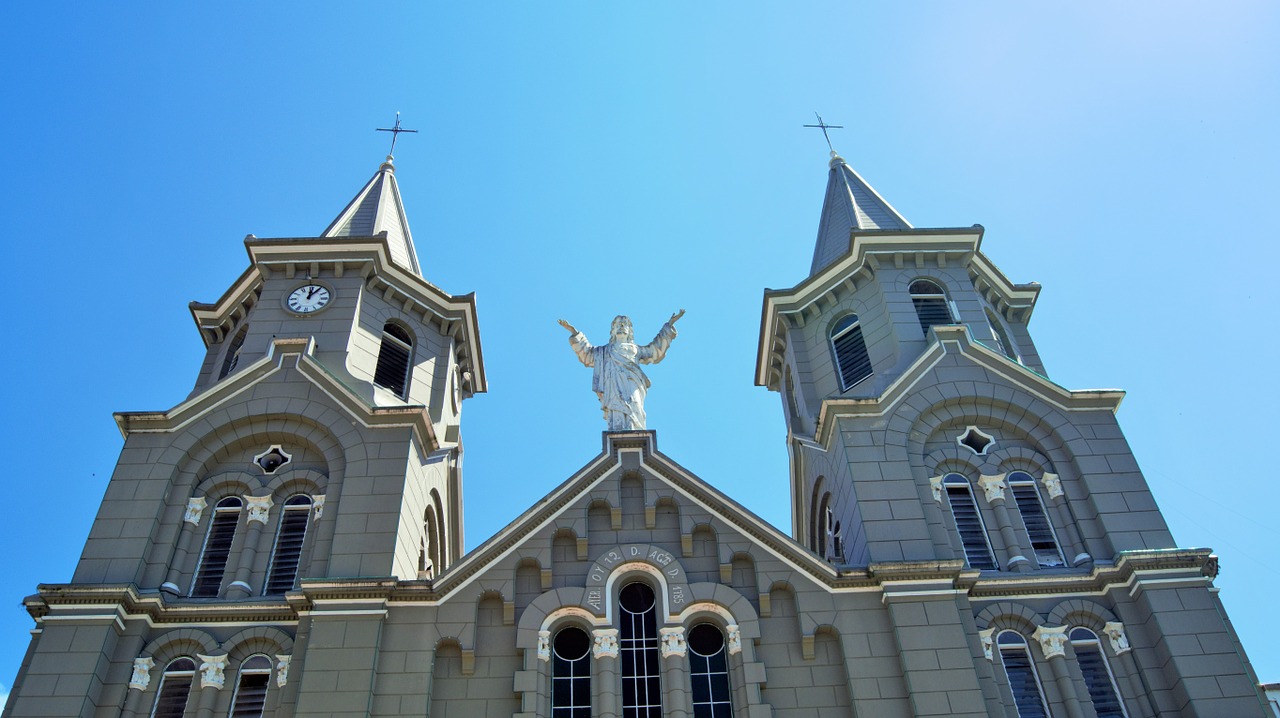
580 345
654 351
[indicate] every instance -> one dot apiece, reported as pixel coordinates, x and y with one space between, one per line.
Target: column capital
1115 632
1053 640
1052 485
988 637
259 508
673 643
211 671
195 509
282 670
993 486
735 638
142 673
544 645
606 643
935 485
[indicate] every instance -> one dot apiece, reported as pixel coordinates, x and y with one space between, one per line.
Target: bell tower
322 440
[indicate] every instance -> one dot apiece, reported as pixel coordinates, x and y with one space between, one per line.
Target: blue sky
583 160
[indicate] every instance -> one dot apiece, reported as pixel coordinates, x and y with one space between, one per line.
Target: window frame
931 301
713 707
168 671
385 358
633 651
246 671
292 505
576 682
1023 647
957 481
231 359
1093 643
222 508
843 329
1027 482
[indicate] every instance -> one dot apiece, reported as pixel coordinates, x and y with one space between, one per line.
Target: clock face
308 298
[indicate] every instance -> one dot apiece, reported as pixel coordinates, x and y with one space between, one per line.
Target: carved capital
544 645
988 638
195 509
259 508
993 486
673 643
1115 632
211 671
735 638
935 485
317 503
142 673
1052 485
1053 640
282 670
606 643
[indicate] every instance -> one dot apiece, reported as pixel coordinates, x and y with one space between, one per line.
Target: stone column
1053 643
994 488
1060 515
212 678
678 701
259 512
606 687
190 522
137 685
1114 631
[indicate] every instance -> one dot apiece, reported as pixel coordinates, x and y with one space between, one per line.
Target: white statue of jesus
617 378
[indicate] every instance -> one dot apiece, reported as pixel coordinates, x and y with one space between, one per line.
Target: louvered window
175 689
251 690
1097 674
1021 672
1034 518
709 672
294 520
931 304
571 674
394 359
850 350
1001 337
217 548
232 358
641 688
973 532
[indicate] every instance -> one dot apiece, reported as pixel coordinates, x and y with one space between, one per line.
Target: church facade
968 537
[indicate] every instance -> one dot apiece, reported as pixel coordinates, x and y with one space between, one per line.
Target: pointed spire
851 204
377 208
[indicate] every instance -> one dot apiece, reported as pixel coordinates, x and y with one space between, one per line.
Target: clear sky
581 160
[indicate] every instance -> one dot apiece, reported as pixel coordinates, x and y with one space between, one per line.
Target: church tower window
1036 521
1001 337
394 360
1097 674
217 548
232 358
251 691
850 351
641 688
1021 672
973 532
294 520
571 674
932 307
709 672
175 689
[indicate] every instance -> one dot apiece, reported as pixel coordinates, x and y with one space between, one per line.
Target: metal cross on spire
395 133
824 127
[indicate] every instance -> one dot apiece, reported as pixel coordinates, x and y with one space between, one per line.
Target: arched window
233 352
1097 674
217 548
709 672
931 304
837 544
571 674
430 542
822 526
641 688
394 360
1036 521
850 351
1021 672
1001 337
175 689
294 520
251 690
973 532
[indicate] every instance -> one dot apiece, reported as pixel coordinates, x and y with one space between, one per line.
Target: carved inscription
658 560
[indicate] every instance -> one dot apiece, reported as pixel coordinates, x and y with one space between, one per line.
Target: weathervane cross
824 127
395 132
